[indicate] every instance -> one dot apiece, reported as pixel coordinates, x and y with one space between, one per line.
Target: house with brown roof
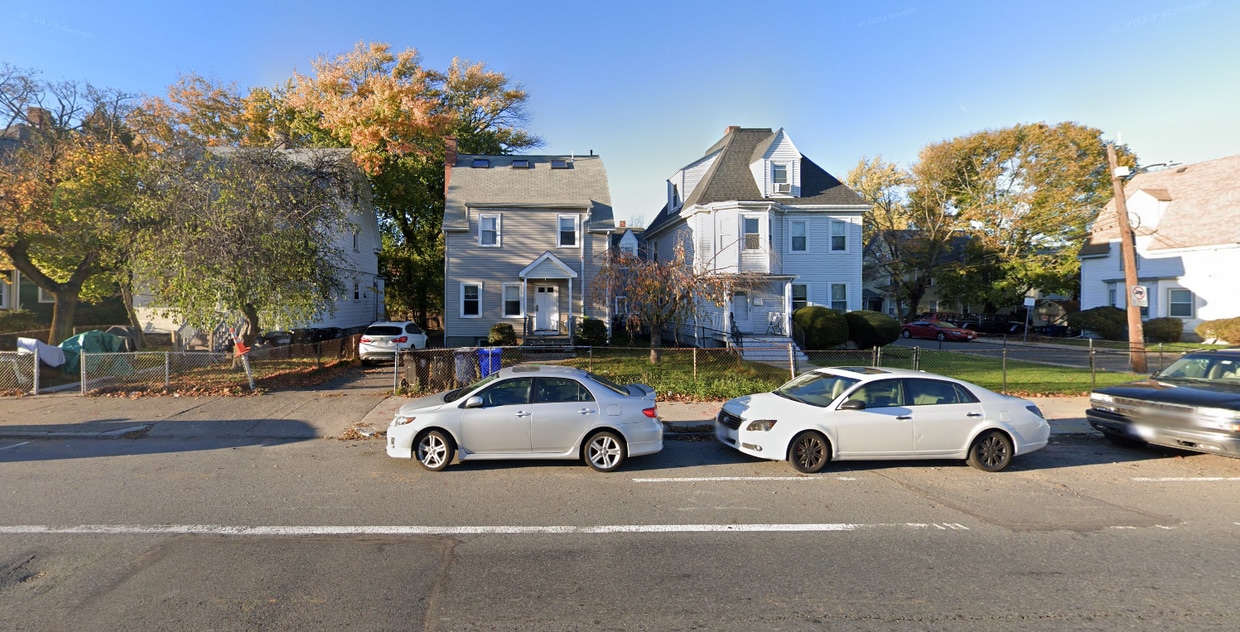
1186 223
753 203
521 237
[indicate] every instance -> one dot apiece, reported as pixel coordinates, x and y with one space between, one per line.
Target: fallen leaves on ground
362 431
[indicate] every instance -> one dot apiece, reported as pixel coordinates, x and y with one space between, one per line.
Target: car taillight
651 412
366 340
401 340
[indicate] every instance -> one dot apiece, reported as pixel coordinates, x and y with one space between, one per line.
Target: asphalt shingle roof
1203 207
583 185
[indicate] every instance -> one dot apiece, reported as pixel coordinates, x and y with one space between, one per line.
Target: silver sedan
530 412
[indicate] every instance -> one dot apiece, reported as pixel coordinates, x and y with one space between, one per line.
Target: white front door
546 308
740 313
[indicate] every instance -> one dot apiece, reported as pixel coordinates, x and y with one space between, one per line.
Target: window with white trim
1180 303
471 300
798 235
567 231
1111 295
45 296
4 290
839 236
780 184
622 306
751 236
512 300
800 296
839 297
488 231
357 291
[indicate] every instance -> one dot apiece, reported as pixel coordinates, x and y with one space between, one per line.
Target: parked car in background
936 330
530 412
862 413
1193 404
382 340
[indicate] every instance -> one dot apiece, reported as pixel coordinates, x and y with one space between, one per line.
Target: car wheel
906 334
941 337
604 451
991 451
434 450
1124 441
808 453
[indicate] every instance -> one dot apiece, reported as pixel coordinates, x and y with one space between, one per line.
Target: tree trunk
249 328
134 321
656 345
63 311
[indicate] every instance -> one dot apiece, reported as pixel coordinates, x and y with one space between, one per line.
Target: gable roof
730 179
1203 207
583 185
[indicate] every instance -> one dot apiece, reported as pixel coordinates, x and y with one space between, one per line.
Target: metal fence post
590 363
695 364
82 369
1093 366
167 370
1005 369
916 358
792 362
396 372
34 385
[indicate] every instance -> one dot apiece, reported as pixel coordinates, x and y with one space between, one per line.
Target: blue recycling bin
490 360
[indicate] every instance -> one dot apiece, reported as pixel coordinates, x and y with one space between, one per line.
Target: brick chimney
449 160
621 223
731 128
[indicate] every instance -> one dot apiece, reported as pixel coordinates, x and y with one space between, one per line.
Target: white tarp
50 355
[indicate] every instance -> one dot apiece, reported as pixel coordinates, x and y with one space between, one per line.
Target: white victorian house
753 203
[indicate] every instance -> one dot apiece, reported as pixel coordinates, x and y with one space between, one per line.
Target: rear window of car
383 330
602 381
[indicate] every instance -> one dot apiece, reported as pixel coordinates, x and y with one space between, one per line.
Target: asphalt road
243 523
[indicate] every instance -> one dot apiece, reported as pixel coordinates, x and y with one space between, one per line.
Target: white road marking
207 529
1190 479
711 479
15 445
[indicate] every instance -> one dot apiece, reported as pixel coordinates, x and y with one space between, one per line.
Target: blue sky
650 85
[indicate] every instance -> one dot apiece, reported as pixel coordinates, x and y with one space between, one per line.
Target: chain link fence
18 373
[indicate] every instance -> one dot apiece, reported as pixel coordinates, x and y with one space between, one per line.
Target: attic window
520 164
560 164
480 163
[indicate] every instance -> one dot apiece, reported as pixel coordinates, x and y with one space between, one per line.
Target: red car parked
936 330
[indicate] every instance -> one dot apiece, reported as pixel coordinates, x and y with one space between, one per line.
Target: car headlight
401 420
1219 419
760 425
1101 398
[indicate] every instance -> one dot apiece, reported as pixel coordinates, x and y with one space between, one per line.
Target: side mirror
475 401
853 404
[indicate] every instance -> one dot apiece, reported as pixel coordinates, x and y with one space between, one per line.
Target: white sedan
530 412
862 413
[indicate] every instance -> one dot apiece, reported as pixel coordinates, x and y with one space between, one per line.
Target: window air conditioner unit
783 187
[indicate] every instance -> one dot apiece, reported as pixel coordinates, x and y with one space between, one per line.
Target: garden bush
1164 329
869 329
1109 322
18 320
823 328
1227 329
593 332
502 335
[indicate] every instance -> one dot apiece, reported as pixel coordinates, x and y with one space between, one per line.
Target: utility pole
1128 255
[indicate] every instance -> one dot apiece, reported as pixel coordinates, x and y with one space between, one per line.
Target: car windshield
1202 367
816 389
457 393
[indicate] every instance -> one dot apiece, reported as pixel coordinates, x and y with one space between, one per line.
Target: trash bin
465 373
489 360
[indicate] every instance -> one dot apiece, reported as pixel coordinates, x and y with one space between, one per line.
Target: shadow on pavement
127 437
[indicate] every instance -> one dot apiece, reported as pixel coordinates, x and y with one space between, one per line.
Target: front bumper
1199 440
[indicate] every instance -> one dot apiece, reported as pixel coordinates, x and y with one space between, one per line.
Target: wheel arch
585 440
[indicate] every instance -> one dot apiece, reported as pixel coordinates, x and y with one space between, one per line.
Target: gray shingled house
521 234
754 204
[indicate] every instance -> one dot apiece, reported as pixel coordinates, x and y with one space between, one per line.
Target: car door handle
904 417
585 411
974 415
522 413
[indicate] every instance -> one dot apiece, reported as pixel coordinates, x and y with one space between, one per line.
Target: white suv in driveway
382 340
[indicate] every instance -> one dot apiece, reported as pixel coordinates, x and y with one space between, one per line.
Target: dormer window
521 164
779 179
481 163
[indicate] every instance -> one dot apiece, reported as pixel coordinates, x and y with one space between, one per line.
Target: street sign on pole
1140 296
